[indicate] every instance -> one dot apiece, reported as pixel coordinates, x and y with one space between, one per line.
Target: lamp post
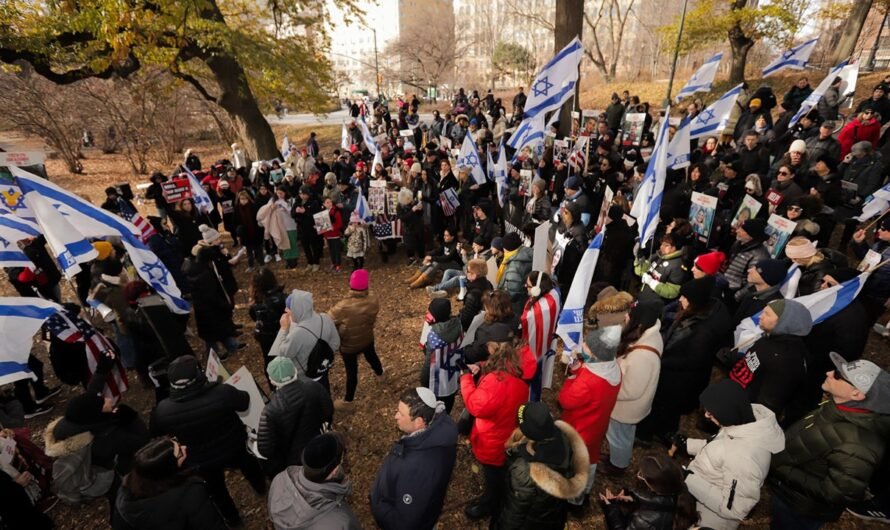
676 54
376 63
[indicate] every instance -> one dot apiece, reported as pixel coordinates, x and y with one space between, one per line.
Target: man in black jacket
298 410
204 417
410 487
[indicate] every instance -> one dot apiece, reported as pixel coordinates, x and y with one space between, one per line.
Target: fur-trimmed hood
615 303
549 480
56 448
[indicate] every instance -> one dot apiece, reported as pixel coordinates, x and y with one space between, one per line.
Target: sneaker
338 269
412 262
462 294
439 294
267 259
277 258
430 289
52 392
881 330
315 268
870 511
39 411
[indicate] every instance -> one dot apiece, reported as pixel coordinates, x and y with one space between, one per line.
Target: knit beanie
84 409
512 241
710 263
281 371
104 249
603 343
778 306
321 456
698 292
728 402
209 236
184 371
535 421
798 146
756 228
497 243
647 312
773 271
359 280
439 310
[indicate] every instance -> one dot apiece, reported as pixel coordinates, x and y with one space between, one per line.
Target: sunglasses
795 208
836 374
785 173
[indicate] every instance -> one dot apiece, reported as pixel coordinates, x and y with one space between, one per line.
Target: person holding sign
876 293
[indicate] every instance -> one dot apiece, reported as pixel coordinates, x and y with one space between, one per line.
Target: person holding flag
538 322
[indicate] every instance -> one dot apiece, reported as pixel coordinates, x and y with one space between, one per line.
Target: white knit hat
209 236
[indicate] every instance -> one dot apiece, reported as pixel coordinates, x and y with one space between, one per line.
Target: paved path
334 118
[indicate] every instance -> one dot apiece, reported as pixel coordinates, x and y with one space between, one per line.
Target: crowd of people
798 411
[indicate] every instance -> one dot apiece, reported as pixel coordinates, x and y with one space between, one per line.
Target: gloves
650 281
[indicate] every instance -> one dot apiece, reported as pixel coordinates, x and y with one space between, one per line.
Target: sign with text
176 189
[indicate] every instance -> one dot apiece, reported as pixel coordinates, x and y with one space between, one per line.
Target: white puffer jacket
639 377
728 472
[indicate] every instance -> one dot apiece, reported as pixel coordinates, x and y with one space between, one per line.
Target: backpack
321 358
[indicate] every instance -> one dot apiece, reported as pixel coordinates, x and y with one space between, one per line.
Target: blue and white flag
20 319
679 154
822 305
796 58
199 195
647 203
94 222
344 138
570 326
876 204
788 287
844 70
703 78
68 246
12 230
713 119
285 147
500 175
529 132
555 83
469 159
489 166
13 200
363 209
369 141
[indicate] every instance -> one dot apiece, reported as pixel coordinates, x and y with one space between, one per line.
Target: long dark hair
631 333
503 361
263 281
155 469
665 477
498 306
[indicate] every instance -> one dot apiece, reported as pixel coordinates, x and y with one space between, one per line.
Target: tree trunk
569 23
740 44
851 31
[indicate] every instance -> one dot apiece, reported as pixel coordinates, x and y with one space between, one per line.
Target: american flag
146 230
75 329
445 360
449 201
578 156
384 228
538 326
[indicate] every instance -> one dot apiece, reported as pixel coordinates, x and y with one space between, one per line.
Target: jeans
450 280
230 344
216 482
621 442
350 360
782 517
254 252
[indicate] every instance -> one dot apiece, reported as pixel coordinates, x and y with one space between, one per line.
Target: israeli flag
20 319
500 175
713 119
92 221
285 147
469 159
13 200
199 195
678 152
822 305
647 203
844 70
555 83
876 204
702 80
13 230
796 58
363 209
788 287
67 245
378 159
344 137
570 325
529 131
370 143
489 166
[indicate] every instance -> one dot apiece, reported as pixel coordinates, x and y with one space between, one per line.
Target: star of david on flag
713 119
541 87
469 159
703 78
796 58
555 83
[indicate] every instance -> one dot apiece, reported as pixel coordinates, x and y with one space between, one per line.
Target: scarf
508 255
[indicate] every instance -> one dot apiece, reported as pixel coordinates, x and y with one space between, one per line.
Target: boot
414 277
422 280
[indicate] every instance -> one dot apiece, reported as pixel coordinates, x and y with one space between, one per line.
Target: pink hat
359 280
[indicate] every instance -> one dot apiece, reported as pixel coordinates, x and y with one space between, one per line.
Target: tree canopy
511 58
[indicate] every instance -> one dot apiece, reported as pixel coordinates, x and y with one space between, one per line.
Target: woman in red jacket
493 402
864 128
590 392
335 245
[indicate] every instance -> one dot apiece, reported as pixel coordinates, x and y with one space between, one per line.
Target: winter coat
355 317
575 238
811 276
204 417
650 512
306 328
829 458
856 131
751 302
866 173
516 269
669 271
74 477
773 369
186 506
210 297
640 368
246 225
616 253
493 402
357 240
336 224
743 256
473 300
439 374
294 415
537 493
411 484
587 398
729 469
266 315
816 147
754 161
298 503
447 256
877 287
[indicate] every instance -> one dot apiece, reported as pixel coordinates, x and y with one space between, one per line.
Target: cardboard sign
701 215
539 250
749 209
525 181
778 231
243 380
470 334
633 127
608 195
176 189
492 270
7 450
871 259
22 158
322 221
406 133
215 368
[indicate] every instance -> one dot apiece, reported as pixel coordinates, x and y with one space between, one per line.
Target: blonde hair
478 267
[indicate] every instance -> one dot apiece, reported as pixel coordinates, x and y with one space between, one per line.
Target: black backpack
321 358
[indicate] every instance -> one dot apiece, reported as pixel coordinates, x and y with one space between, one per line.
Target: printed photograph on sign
633 128
377 197
525 181
608 195
322 222
778 232
749 209
561 149
701 215
588 121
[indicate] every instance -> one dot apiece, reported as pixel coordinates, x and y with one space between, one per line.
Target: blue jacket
410 487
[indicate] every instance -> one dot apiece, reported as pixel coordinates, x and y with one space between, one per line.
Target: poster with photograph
778 232
322 222
633 127
561 149
701 215
749 209
525 181
608 195
377 196
549 138
588 121
445 143
392 202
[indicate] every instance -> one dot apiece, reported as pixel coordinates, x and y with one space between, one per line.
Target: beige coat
640 369
355 317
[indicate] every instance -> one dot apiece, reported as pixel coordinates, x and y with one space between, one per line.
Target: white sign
215 369
243 380
539 250
22 158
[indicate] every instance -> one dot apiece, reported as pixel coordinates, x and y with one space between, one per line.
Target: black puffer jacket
473 300
212 295
183 507
293 416
650 512
266 315
204 417
537 494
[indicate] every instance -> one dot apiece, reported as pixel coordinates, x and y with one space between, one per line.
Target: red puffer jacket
587 401
494 403
857 131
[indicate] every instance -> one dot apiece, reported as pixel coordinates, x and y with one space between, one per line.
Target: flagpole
871 224
676 53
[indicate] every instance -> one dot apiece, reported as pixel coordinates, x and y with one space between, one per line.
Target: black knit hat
756 228
512 241
440 310
698 292
321 456
728 402
535 421
773 271
85 409
184 371
616 213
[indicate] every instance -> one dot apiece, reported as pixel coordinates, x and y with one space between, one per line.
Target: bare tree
426 56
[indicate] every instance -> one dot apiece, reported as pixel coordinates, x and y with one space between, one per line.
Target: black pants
254 252
386 247
216 482
358 263
325 382
22 387
313 245
494 487
350 361
335 248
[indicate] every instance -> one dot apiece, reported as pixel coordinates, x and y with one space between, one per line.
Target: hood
55 448
551 481
153 512
795 320
673 255
764 431
609 370
442 432
300 305
449 330
525 254
295 502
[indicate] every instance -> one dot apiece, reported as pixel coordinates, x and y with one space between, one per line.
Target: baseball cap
861 374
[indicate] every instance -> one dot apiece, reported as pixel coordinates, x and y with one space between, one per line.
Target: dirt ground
370 430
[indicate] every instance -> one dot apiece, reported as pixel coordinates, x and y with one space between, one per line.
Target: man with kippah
411 484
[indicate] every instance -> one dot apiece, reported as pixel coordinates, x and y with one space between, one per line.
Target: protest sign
633 127
176 189
243 380
215 369
608 195
406 133
377 196
525 182
701 215
322 221
778 232
749 209
492 275
22 158
539 250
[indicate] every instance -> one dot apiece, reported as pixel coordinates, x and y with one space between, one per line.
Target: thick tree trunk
851 31
740 45
569 23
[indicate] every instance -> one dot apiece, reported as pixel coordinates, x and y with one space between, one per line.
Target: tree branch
192 80
41 65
